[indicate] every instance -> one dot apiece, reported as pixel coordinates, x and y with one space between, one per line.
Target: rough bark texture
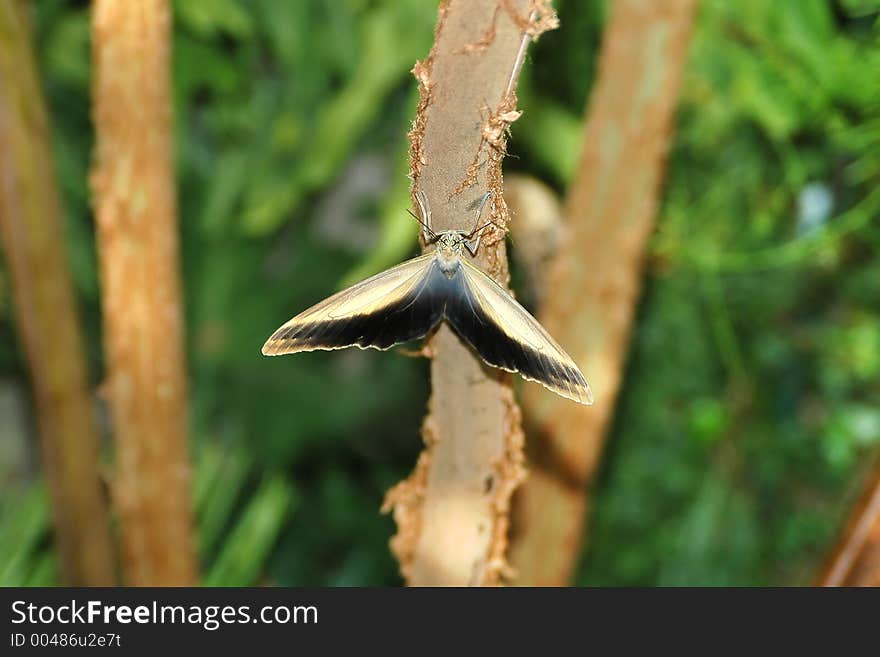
46 314
135 211
856 560
595 279
452 513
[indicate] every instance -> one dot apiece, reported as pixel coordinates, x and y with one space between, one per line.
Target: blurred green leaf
248 544
208 18
24 524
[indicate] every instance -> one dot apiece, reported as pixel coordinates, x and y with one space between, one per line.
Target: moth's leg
474 244
427 232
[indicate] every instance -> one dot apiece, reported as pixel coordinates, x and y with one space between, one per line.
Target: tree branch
135 211
46 314
452 512
596 277
856 559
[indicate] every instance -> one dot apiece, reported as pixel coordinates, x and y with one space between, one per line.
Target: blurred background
749 414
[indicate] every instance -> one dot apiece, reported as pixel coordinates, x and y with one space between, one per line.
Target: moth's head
450 243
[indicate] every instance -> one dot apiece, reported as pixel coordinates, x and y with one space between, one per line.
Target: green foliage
751 394
25 558
752 388
239 514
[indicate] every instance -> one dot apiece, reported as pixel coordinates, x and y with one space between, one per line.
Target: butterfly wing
507 336
395 306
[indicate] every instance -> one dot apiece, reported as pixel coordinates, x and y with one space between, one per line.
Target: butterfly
408 301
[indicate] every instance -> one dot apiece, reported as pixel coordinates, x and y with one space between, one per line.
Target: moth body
448 252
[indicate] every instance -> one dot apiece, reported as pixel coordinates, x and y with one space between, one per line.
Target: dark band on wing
411 311
475 325
407 316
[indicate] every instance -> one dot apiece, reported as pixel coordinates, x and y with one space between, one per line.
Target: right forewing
507 336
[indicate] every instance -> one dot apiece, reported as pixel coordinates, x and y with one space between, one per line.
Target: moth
408 301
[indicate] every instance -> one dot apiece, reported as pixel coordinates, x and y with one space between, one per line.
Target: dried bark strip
143 328
46 314
452 512
856 559
595 280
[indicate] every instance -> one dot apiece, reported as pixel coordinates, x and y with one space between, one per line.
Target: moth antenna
471 242
428 232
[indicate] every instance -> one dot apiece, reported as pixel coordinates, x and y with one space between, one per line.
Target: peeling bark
856 559
452 512
45 311
611 207
135 211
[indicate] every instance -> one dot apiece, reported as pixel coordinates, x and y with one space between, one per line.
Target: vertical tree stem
856 559
46 314
595 281
135 208
452 512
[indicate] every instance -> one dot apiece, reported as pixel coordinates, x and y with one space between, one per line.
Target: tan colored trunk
45 312
452 513
856 559
135 209
595 281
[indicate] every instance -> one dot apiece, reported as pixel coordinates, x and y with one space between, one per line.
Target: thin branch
452 512
856 559
596 278
45 311
135 210
537 229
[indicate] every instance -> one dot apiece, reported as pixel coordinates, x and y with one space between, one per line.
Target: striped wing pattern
507 336
379 312
407 301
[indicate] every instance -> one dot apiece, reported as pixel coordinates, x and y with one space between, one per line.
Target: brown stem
135 211
46 314
537 229
596 278
856 559
452 512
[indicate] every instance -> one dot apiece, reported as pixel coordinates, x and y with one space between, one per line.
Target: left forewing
392 307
